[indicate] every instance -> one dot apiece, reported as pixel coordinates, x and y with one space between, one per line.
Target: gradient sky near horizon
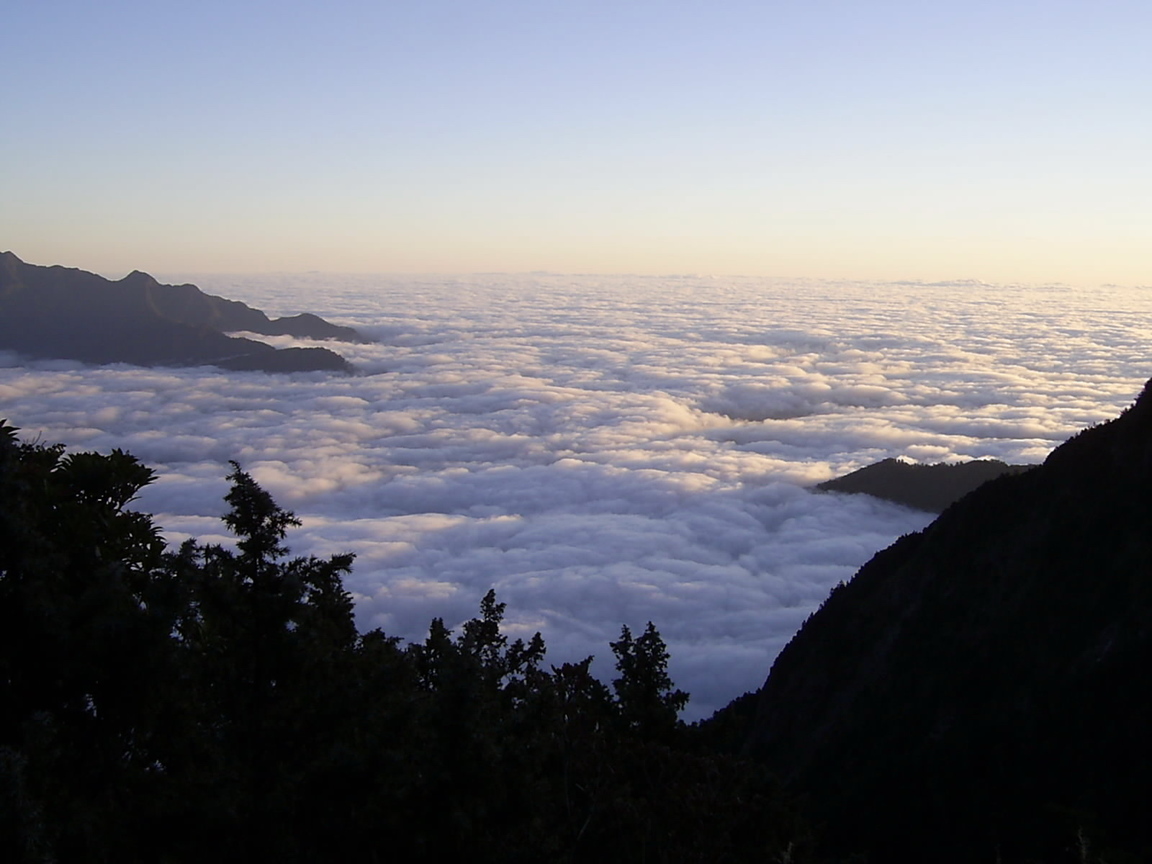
1003 141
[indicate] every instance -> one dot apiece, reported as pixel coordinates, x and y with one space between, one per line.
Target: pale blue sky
878 140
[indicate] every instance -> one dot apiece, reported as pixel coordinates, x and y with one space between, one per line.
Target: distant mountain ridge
926 487
980 690
67 313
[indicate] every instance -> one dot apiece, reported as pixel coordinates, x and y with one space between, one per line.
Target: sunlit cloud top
1003 141
607 450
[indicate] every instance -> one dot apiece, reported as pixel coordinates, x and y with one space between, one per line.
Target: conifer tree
644 691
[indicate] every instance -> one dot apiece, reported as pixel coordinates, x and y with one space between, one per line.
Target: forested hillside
979 691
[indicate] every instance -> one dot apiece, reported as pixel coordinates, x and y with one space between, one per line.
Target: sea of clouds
606 451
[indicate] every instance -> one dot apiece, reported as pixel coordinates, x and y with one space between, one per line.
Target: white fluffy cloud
607 451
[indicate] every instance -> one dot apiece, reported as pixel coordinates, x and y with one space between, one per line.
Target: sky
605 450
1002 141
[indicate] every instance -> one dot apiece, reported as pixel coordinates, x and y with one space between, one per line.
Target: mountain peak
73 314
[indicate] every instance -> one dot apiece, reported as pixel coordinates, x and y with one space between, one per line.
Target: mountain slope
73 314
980 690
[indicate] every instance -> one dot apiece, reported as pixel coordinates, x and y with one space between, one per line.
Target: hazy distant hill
68 313
980 690
925 487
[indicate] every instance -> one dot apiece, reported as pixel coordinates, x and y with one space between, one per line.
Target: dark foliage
216 703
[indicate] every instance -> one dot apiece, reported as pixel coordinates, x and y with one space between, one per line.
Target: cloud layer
607 451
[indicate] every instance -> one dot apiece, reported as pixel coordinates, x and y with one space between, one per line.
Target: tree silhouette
647 701
216 702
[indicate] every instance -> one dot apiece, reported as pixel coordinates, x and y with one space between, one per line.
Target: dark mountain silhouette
925 487
68 313
980 690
